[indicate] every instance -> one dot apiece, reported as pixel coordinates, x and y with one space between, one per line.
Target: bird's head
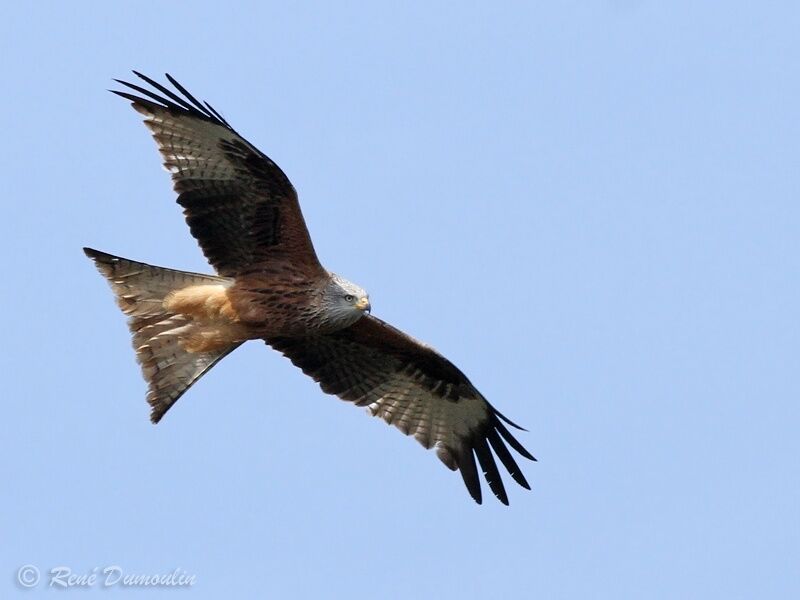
344 301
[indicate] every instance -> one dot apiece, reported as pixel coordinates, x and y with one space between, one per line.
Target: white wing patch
190 146
434 422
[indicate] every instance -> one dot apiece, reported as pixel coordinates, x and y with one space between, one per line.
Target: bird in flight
270 286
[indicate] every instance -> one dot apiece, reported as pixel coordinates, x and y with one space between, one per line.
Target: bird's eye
348 298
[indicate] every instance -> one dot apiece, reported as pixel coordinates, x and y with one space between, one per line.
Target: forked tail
140 290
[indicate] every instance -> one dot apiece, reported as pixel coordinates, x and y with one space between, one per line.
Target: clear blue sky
592 209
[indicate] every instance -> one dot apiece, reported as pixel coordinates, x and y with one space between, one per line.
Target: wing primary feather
512 441
177 101
506 419
189 96
173 100
505 457
133 98
162 102
166 91
466 464
216 114
490 471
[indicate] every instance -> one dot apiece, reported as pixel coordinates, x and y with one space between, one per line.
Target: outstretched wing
416 389
239 205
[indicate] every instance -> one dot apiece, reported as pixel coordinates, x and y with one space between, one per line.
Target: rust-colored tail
140 290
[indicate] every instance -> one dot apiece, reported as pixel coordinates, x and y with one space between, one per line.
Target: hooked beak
363 304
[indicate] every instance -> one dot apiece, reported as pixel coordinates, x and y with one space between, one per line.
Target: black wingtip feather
506 419
169 99
512 441
155 99
215 113
130 97
490 471
505 457
164 90
186 93
469 472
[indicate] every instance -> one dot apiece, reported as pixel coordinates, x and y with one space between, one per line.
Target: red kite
270 286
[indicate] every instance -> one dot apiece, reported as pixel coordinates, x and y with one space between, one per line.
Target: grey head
344 302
